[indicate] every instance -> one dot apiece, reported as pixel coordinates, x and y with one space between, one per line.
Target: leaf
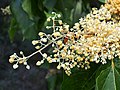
117 62
76 82
102 67
65 8
77 11
51 82
103 1
13 28
37 9
26 25
81 80
109 79
49 4
26 5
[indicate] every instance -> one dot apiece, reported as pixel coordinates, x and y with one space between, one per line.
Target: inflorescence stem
42 48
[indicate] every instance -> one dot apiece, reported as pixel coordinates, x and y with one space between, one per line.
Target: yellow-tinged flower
60 22
38 63
59 42
11 60
41 34
56 34
114 6
48 19
34 42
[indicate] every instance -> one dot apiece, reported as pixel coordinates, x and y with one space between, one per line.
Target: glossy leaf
109 79
81 80
101 68
35 11
103 1
26 5
65 8
26 25
13 28
77 11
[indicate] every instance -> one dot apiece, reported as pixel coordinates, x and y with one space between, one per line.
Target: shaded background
43 78
20 79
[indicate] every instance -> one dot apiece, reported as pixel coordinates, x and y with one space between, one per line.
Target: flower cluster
95 38
6 10
19 60
113 6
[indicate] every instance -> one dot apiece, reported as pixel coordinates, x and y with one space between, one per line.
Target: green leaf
33 8
109 79
26 5
51 82
37 9
117 62
49 4
13 28
103 1
26 25
77 11
77 82
65 8
81 79
102 67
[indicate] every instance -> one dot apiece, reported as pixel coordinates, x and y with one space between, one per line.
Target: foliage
29 17
103 1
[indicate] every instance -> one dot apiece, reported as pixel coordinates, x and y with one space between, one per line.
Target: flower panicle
95 38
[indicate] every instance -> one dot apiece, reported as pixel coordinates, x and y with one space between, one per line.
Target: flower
38 63
27 66
48 19
34 42
41 34
56 34
113 6
15 66
45 55
95 38
44 40
11 60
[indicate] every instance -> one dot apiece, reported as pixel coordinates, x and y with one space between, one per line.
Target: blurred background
19 29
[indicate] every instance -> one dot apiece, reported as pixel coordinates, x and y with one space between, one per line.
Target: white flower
44 40
25 63
56 34
59 42
11 60
34 42
58 67
28 67
59 15
45 55
38 63
15 66
37 47
48 19
21 52
60 22
41 34
53 12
